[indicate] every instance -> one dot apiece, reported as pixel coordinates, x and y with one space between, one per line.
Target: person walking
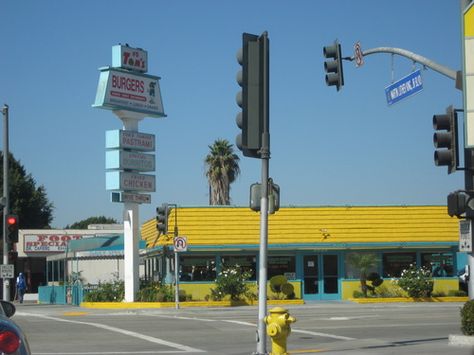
20 286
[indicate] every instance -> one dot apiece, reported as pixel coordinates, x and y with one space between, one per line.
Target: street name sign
405 87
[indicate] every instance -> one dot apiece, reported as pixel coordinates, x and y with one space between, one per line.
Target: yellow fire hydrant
278 328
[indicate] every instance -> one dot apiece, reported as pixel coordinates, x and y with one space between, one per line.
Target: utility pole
6 205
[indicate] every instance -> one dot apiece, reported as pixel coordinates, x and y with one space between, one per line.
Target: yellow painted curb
409 299
122 305
74 314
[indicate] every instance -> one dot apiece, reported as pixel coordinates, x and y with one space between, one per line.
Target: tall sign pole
6 200
467 12
132 95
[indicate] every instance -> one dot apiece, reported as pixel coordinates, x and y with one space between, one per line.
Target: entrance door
321 277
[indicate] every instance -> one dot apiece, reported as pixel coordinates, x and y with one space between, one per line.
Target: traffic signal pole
6 206
469 186
265 157
254 142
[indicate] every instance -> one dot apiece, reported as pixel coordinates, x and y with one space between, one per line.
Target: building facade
311 246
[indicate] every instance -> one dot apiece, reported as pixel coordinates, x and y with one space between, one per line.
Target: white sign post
180 244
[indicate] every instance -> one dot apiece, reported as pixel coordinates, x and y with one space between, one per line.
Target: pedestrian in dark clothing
20 287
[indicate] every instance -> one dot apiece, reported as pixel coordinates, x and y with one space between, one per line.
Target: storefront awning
96 247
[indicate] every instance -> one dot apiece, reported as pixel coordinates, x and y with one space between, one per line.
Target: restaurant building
311 246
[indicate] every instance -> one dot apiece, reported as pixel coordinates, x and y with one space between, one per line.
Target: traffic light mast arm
452 74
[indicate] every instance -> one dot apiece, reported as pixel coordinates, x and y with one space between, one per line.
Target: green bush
416 282
231 281
281 287
113 291
155 292
467 318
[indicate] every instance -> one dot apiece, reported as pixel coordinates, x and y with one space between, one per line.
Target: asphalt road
321 327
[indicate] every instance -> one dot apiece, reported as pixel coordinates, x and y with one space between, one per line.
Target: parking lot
321 327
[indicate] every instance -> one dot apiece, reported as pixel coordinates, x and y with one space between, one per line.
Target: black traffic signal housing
333 66
253 98
446 139
162 214
459 202
12 228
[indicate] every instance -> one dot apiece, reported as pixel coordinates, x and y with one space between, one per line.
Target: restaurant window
282 265
353 262
440 264
395 263
246 263
197 268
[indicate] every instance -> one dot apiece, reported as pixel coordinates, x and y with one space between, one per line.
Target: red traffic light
12 220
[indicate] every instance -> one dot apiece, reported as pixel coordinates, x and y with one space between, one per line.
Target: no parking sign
180 244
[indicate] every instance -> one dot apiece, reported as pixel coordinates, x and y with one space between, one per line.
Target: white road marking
326 335
182 348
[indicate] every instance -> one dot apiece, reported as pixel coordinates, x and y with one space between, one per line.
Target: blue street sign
405 87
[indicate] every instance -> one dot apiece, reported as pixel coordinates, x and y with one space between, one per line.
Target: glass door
330 277
311 276
321 277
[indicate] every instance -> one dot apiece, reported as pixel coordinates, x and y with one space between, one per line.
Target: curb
461 340
137 305
408 299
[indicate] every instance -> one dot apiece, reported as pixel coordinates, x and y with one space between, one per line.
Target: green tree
91 220
222 168
28 201
364 263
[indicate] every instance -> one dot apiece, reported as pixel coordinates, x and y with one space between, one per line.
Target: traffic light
12 228
445 138
333 67
459 202
162 214
253 98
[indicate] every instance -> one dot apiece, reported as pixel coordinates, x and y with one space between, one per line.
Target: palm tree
222 170
363 262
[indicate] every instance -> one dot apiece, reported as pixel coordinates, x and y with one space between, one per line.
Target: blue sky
327 147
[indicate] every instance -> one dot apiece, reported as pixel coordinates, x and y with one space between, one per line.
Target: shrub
375 280
467 318
284 290
231 281
155 292
416 282
113 291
